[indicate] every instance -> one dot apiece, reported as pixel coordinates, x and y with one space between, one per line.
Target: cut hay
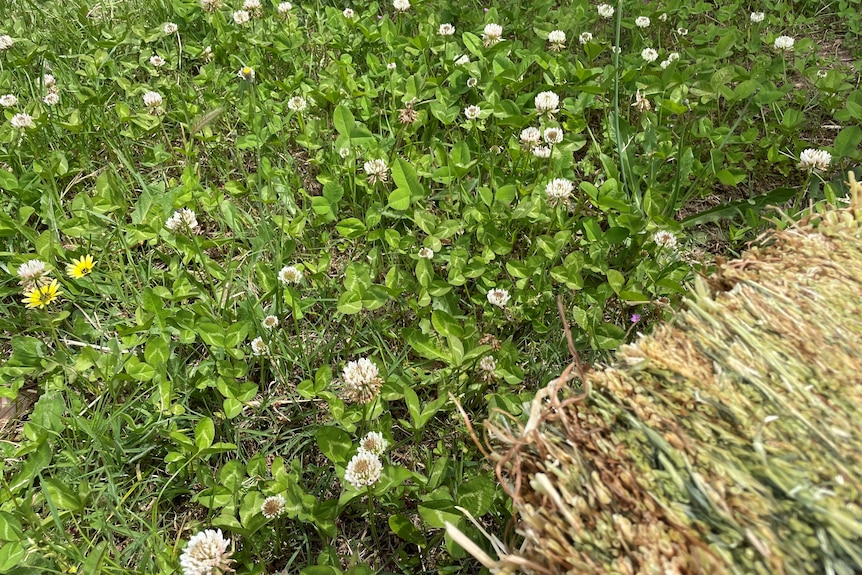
728 441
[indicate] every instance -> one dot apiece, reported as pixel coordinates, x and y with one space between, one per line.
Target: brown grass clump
726 442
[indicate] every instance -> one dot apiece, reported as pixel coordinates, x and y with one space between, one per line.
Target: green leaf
438 512
847 142
477 495
232 407
405 177
350 303
10 555
320 570
404 528
351 228
61 494
156 352
10 527
399 199
204 433
424 345
735 208
343 120
334 443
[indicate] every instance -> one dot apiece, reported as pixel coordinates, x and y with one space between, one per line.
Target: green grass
154 420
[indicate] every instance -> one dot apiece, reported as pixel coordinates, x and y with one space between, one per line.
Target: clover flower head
498 297
206 554
649 54
297 104
269 322
557 40
547 102
152 99
272 507
642 22
284 8
446 29
784 43
665 239
472 112
757 17
553 136
374 442
253 7
585 38
426 253
462 60
170 28
157 61
542 152
241 17
258 346
363 470
181 220
491 34
8 100
6 42
348 13
401 5
376 170
559 190
816 160
290 275
530 137
471 82
361 381
22 121
605 10
51 99
33 273
211 5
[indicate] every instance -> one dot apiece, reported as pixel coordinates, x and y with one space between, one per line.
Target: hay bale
728 441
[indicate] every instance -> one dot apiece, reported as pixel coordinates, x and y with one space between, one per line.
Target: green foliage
199 368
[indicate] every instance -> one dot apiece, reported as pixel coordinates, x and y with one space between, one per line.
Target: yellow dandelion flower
41 296
80 267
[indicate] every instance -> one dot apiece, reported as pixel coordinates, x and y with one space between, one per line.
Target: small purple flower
486 9
636 317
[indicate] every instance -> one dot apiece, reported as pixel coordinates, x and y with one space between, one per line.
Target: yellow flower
80 267
42 295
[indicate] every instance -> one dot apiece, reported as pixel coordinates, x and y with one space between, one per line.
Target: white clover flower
822 73
152 99
246 73
784 43
401 5
673 56
290 275
211 5
32 271
642 103
605 10
348 13
649 55
664 239
157 61
682 31
376 170
363 470
206 554
361 381
547 102
284 8
585 37
272 507
253 7
22 121
488 363
170 28
530 137
48 81
492 34
391 66
258 346
269 322
553 136
446 29
297 104
812 159
182 220
542 152
426 253
462 60
665 63
757 17
472 112
373 443
557 40
616 49
51 99
642 22
559 190
6 42
344 152
498 297
241 17
8 100
471 82
662 17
